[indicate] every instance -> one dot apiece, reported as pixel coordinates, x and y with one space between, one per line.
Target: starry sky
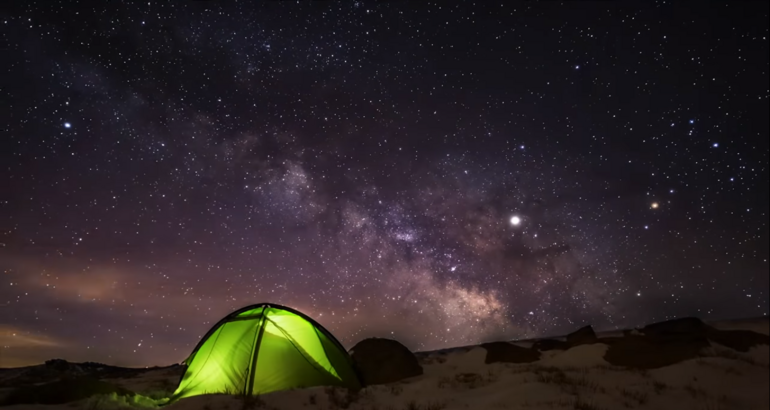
441 173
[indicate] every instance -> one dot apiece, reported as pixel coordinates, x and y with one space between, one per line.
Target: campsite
384 205
677 364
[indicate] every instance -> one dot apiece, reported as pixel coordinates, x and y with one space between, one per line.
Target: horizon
599 332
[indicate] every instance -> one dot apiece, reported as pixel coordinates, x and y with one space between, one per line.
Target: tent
265 348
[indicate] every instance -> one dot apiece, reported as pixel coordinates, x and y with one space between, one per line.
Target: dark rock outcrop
582 336
738 340
59 365
504 352
674 341
644 352
381 361
683 326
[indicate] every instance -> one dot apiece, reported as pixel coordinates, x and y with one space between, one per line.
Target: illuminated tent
265 348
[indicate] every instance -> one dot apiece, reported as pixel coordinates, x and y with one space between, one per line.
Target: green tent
265 348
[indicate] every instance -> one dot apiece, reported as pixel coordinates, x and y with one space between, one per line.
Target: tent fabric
265 348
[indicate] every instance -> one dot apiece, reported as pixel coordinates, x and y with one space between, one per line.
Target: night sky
436 173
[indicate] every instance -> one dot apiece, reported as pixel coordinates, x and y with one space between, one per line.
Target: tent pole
257 342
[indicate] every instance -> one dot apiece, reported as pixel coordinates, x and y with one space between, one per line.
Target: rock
504 352
381 361
687 325
739 340
545 345
654 352
63 391
59 365
582 336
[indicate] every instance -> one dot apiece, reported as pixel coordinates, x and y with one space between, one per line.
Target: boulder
582 336
644 352
63 391
504 352
59 365
381 361
687 325
739 340
545 345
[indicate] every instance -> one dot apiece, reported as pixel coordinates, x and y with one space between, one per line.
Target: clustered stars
357 162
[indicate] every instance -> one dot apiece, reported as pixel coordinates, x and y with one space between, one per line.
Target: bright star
515 221
655 205
67 125
715 145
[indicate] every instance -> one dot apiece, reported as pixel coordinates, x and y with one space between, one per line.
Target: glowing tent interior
265 348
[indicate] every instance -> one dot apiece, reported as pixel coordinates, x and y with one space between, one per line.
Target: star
515 220
67 125
655 205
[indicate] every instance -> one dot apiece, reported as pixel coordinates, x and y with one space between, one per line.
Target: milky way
440 174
